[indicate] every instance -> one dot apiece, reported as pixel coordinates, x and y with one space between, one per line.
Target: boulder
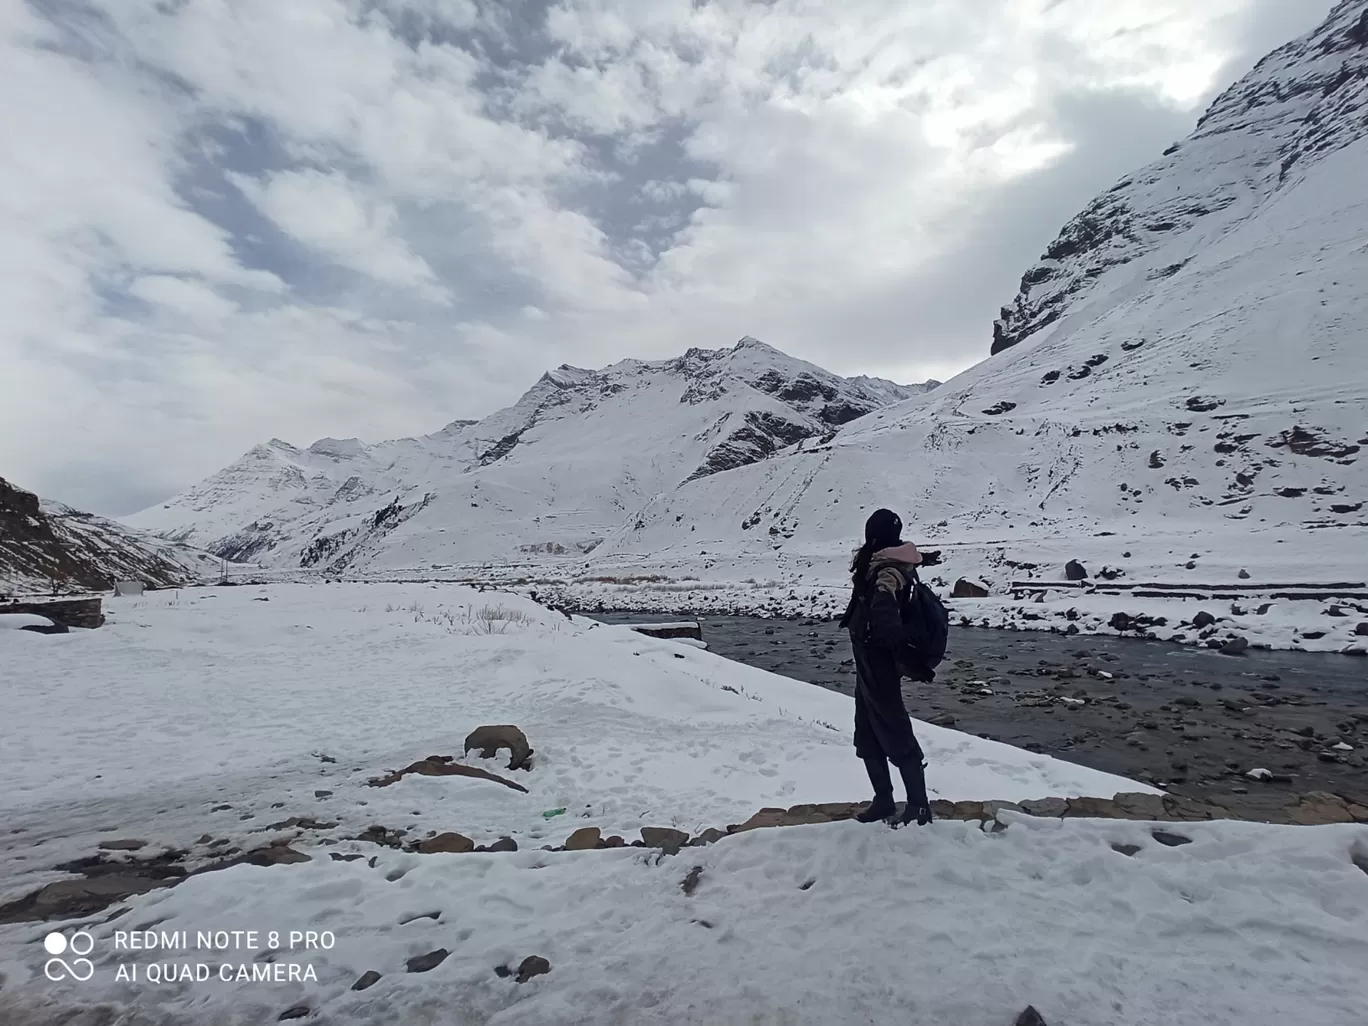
122 845
503 844
1075 571
533 965
584 839
665 838
965 588
709 836
1203 619
276 855
1091 808
1243 575
1054 807
424 963
446 842
367 979
490 739
1235 646
1139 805
1362 630
1029 1017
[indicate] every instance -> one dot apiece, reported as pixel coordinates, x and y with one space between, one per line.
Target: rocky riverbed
1193 721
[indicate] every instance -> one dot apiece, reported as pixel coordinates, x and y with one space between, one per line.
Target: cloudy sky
227 220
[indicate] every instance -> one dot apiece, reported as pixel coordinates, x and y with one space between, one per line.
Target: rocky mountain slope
1185 372
555 473
42 543
1300 104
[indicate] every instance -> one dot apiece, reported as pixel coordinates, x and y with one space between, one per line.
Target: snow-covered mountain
46 542
578 455
1185 370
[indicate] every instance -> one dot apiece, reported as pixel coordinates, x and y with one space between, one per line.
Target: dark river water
1188 719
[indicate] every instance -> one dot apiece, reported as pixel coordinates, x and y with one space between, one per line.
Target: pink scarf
904 553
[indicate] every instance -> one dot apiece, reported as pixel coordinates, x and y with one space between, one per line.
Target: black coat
882 724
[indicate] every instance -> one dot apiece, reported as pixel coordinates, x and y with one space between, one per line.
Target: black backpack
926 622
925 627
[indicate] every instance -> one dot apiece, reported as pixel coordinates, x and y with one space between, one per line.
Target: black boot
882 806
918 805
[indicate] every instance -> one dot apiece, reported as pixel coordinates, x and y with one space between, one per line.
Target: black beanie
884 529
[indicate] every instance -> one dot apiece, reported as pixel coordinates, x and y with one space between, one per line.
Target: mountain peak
342 448
1299 105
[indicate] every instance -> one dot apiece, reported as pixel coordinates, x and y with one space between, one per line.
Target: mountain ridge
729 406
44 543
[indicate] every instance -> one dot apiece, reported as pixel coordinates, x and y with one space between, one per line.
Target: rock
942 720
73 899
1075 571
490 739
1128 850
1029 1017
367 979
276 855
533 965
322 794
584 839
665 838
1054 807
442 766
122 845
1307 731
1188 701
1091 808
1139 805
446 842
969 589
294 1012
1203 619
1259 773
1235 646
428 962
1362 630
503 844
1169 839
690 882
1243 575
709 836
1317 808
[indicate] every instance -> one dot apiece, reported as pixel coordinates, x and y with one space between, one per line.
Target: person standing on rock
880 572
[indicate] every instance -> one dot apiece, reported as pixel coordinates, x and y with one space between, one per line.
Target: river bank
1190 720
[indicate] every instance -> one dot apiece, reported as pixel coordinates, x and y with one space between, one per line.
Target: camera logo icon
56 944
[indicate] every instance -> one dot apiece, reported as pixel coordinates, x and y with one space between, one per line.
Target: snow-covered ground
208 714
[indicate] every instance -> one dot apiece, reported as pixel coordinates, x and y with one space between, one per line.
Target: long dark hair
883 530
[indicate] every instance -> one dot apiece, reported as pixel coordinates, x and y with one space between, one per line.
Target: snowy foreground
210 715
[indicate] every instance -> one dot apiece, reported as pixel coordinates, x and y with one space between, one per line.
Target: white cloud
191 299
340 221
182 182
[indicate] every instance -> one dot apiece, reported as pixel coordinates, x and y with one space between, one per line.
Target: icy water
1191 720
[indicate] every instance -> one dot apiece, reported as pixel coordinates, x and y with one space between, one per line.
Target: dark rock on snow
490 739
